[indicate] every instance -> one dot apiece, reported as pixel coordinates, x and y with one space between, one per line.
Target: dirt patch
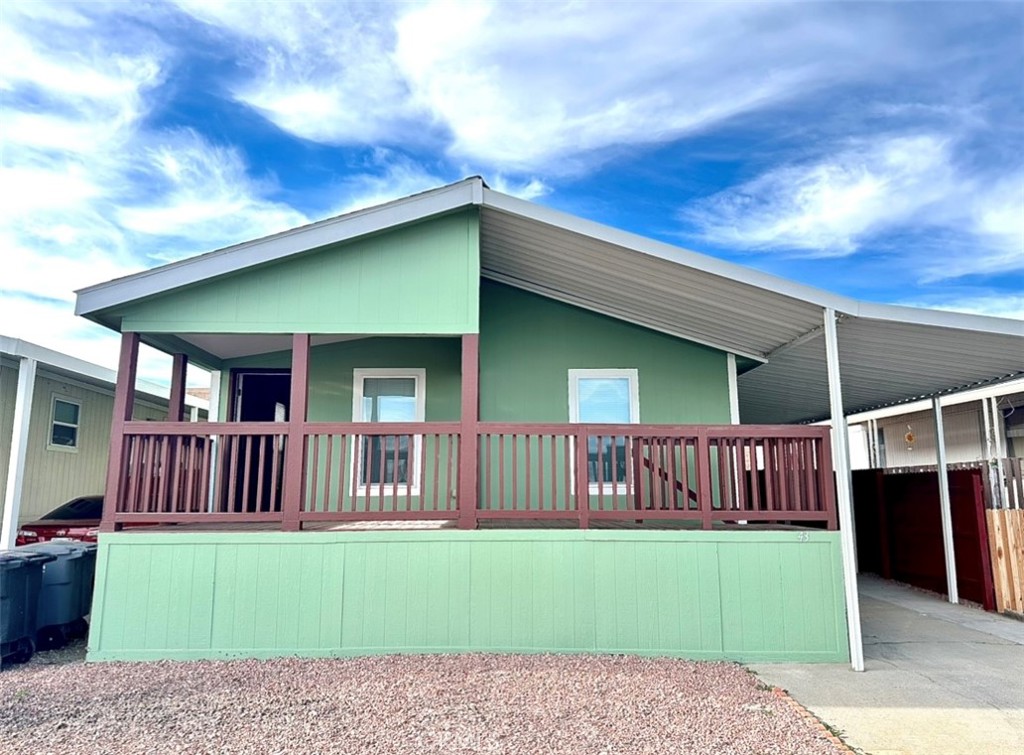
401 704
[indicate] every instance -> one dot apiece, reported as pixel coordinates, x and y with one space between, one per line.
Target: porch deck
322 476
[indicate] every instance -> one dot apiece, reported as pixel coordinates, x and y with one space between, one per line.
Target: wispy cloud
832 206
1010 305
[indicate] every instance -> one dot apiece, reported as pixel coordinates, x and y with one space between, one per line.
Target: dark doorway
258 395
261 395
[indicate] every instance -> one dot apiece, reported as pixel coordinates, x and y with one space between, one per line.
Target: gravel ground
399 704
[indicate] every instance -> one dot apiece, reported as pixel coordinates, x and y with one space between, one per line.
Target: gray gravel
400 704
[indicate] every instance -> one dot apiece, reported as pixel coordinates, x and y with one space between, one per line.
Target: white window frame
359 374
50 445
575 375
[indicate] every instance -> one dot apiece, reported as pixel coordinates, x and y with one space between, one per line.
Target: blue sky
875 150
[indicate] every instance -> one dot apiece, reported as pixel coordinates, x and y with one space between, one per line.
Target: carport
798 354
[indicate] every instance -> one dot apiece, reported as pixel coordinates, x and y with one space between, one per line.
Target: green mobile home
460 421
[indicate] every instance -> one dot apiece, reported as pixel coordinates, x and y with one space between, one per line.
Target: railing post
468 488
704 498
295 453
582 478
124 405
827 480
176 401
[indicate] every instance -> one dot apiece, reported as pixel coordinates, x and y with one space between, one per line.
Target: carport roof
888 354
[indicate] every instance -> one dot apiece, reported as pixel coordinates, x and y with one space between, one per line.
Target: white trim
86 371
359 374
50 445
844 491
18 454
944 504
734 391
630 374
575 375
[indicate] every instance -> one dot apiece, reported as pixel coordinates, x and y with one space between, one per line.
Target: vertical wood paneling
739 595
421 278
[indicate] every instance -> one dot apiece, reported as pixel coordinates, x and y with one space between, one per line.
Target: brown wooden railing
237 472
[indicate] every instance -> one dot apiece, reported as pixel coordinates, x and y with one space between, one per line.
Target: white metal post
844 490
992 465
213 415
999 441
734 393
944 507
19 448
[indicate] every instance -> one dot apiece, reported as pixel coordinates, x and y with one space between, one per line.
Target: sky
870 149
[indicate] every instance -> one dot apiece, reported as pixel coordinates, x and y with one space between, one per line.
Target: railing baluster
600 470
501 471
540 472
515 473
529 493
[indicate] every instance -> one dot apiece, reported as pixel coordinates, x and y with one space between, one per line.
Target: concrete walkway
940 679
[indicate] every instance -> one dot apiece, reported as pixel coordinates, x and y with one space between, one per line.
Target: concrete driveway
940 679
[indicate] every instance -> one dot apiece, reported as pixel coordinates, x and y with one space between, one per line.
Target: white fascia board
17 348
949 399
278 246
938 318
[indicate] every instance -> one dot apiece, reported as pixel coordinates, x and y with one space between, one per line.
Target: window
392 395
607 397
64 416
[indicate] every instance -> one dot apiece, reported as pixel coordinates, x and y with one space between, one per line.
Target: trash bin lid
76 544
54 549
15 559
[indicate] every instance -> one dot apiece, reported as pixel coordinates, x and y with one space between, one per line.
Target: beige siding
8 392
963 436
53 476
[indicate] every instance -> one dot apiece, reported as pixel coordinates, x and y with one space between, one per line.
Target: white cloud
395 178
520 88
889 184
1009 305
87 192
203 196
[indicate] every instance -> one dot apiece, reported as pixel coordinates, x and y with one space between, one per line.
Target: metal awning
888 354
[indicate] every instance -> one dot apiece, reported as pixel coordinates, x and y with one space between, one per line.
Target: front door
258 462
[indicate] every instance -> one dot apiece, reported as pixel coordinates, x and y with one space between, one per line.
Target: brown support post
468 461
176 403
704 498
295 456
124 404
583 477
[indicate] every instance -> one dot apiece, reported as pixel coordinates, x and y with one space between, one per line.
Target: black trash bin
21 575
87 567
60 594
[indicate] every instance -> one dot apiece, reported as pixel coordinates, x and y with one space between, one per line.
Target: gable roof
889 354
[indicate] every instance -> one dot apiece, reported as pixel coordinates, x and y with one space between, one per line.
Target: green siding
331 365
529 343
766 596
419 279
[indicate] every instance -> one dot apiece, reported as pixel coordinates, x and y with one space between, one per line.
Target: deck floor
483 524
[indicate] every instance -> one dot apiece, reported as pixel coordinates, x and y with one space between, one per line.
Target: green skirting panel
747 596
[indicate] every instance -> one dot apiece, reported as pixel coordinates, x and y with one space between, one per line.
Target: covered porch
294 473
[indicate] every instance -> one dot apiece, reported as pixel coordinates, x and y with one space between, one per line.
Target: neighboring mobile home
55 414
462 421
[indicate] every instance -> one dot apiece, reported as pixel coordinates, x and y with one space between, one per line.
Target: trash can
60 595
21 575
80 627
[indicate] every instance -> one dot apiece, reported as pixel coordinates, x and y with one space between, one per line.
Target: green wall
751 596
529 343
331 365
420 279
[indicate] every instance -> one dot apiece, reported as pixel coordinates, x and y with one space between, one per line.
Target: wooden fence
1006 543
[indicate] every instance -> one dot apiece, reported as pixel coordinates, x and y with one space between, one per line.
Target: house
463 421
983 423
55 415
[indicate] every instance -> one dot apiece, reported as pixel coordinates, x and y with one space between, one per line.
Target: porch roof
888 354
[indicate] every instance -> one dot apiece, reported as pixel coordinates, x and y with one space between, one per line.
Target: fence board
1006 541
